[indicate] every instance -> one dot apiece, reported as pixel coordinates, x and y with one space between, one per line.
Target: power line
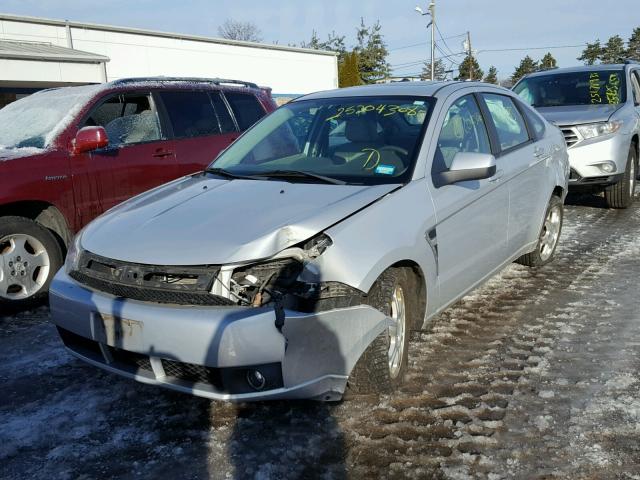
443 40
444 55
531 48
423 44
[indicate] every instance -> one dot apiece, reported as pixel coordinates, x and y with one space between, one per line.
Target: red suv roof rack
215 81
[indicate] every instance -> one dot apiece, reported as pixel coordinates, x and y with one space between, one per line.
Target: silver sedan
296 265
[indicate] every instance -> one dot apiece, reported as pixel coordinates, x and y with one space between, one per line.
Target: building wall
148 54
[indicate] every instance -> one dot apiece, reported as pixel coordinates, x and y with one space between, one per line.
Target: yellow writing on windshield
382 109
613 89
372 160
594 88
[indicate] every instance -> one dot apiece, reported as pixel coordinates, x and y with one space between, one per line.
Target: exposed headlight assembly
593 130
73 254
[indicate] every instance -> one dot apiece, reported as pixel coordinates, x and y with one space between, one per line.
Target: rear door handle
540 152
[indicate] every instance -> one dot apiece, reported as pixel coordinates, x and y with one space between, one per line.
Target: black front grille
131 359
192 373
149 283
151 295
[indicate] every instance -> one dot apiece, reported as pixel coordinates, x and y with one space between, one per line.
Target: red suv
69 154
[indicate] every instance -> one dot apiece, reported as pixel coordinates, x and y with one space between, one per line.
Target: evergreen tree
492 76
469 69
633 50
527 65
348 72
613 51
440 71
372 53
333 43
592 53
548 62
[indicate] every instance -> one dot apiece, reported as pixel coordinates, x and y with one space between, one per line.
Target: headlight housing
593 130
73 254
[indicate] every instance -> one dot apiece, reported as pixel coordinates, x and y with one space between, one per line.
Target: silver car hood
208 221
577 114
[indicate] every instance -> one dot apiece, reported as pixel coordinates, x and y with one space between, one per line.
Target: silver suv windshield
34 121
595 87
351 140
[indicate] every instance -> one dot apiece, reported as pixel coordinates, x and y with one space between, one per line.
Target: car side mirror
468 166
89 139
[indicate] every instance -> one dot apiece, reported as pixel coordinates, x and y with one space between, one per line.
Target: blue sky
494 24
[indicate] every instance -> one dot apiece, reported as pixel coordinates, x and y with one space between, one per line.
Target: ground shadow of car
275 439
586 200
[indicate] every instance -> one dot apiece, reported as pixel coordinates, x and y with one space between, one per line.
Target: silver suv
598 110
296 265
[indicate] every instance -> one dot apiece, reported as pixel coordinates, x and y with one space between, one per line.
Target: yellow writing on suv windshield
383 109
594 88
611 88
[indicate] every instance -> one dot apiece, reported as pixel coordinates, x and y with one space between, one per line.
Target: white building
38 53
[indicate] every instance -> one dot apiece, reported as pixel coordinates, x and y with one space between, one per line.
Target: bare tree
235 30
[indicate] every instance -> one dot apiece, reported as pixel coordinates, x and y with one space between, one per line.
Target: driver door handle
499 174
162 153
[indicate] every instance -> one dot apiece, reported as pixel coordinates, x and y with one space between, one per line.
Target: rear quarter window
191 113
246 108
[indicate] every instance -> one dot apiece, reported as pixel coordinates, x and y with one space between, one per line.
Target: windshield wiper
226 173
289 174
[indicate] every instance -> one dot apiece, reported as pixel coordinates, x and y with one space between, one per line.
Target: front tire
383 365
30 256
620 195
549 236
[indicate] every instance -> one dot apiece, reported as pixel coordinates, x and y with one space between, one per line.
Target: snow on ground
535 375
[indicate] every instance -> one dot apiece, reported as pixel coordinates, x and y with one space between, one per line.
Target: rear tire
383 365
620 195
30 256
549 236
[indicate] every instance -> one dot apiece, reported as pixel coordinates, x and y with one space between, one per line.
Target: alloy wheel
397 332
550 232
24 266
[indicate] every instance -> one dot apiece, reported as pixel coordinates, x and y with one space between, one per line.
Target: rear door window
511 128
535 122
224 116
246 108
191 113
127 119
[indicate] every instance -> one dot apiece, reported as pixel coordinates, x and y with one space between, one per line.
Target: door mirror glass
468 166
89 139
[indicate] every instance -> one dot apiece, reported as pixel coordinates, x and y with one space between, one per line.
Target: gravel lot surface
535 375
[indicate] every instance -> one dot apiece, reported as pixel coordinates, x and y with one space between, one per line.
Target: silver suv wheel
24 266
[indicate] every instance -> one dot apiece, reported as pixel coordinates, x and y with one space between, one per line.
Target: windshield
34 121
355 140
606 87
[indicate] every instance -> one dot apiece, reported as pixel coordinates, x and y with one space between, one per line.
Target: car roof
578 69
422 89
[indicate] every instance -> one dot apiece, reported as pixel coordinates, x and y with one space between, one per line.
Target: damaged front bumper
212 351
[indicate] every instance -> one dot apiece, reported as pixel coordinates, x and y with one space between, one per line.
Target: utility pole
432 24
432 9
470 55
